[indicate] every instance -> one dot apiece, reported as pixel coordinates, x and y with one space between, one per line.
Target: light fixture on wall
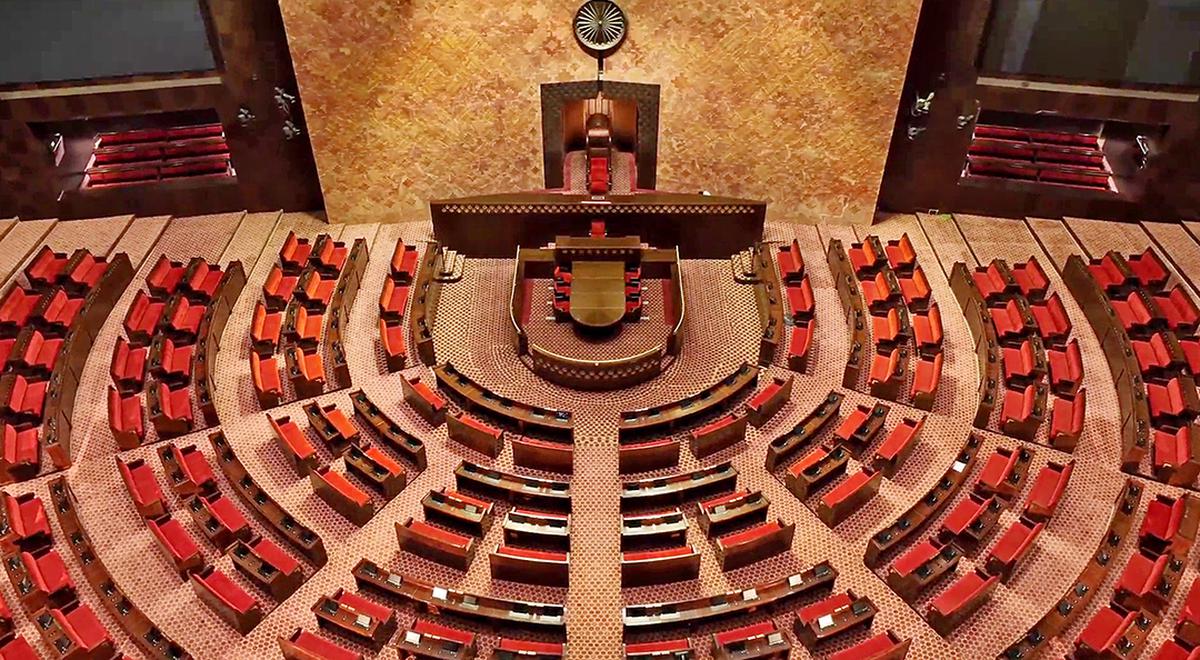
291 131
284 101
244 116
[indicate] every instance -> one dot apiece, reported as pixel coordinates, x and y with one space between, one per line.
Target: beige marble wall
791 101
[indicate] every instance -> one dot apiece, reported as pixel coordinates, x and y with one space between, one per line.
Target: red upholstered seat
16 308
1105 630
330 255
82 627
748 535
880 646
1170 401
1191 353
1188 625
320 648
143 487
900 254
1149 270
965 514
744 633
295 443
799 343
885 368
26 398
164 278
264 372
927 329
598 178
1048 488
800 299
1134 313
850 487
536 649
962 592
278 288
175 404
863 258
1013 545
877 292
997 475
528 553
16 648
201 280
182 318
19 448
226 514
6 349
47 571
791 261
926 378
992 281
404 262
1140 578
226 591
916 557
314 289
56 312
27 521
128 369
35 353
1020 363
1053 323
176 361
1176 454
45 268
193 469
1008 321
295 252
1173 650
1066 368
1066 419
915 289
885 328
83 272
391 336
265 329
646 555
1031 279
1111 272
1019 406
439 631
393 299
1161 522
126 419
310 366
142 319
348 490
306 326
900 441
1179 309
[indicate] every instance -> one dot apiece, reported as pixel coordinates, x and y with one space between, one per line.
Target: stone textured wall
791 101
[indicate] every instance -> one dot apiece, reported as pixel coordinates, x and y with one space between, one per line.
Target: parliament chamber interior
601 329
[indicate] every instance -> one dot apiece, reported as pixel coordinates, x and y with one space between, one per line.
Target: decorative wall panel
784 100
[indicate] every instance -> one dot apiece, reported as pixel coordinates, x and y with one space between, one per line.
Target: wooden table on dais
597 293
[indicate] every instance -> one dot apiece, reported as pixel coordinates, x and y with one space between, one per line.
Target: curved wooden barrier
305 540
673 415
852 306
1093 575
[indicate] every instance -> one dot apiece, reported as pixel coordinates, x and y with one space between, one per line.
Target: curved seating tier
691 612
475 397
424 294
149 637
675 414
541 493
541 616
852 306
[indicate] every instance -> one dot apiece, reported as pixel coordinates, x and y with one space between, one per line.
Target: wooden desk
597 293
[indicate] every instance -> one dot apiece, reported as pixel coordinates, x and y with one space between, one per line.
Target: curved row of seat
46 332
174 330
801 304
75 627
1160 325
393 304
1022 333
297 296
768 299
905 319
